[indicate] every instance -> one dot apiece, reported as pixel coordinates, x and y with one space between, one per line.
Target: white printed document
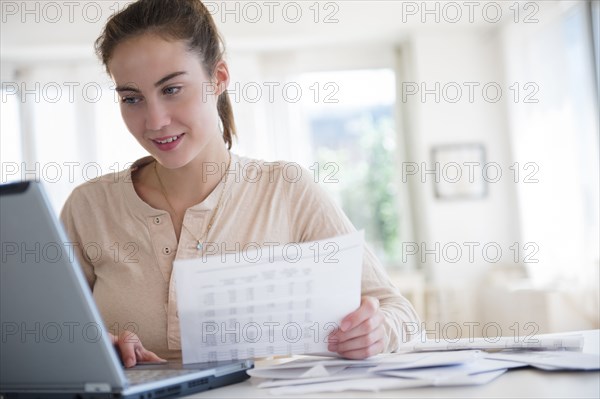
276 300
566 342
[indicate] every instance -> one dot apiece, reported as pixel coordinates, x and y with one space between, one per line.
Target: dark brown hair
187 20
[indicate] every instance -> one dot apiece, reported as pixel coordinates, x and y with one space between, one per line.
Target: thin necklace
199 240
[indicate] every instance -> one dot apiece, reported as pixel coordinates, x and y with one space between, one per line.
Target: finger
333 335
362 341
128 354
332 342
144 355
363 328
353 339
129 337
368 307
363 353
371 323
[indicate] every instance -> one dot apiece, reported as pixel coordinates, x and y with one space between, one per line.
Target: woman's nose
157 116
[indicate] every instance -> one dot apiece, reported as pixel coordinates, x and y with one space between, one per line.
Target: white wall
460 58
490 222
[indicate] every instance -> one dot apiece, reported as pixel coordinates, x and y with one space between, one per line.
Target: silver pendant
199 246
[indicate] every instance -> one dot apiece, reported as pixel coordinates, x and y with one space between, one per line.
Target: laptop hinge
97 387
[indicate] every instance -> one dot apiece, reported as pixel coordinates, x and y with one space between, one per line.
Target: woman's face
168 101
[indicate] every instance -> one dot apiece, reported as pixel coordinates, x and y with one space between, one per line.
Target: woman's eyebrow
169 77
160 82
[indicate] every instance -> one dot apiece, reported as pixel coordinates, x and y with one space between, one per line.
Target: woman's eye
129 100
171 90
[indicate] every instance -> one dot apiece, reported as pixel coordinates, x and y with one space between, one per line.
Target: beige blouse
126 248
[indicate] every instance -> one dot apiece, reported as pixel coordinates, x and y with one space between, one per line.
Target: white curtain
554 131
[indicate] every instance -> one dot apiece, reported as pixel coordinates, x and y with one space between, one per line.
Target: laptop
53 343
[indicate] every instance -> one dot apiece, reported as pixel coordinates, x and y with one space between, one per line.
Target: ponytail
226 115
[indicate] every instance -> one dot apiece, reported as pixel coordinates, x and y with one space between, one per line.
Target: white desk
519 383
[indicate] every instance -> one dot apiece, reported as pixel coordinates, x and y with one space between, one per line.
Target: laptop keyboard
136 377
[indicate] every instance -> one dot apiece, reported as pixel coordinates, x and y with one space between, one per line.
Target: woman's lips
167 143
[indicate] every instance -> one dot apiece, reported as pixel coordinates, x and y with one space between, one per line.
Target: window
116 148
11 154
350 123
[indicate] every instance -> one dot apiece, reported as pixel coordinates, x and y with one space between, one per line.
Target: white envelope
427 359
551 360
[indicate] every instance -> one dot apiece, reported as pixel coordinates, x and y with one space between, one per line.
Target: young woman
166 59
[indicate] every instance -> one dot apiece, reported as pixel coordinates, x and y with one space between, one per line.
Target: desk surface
518 383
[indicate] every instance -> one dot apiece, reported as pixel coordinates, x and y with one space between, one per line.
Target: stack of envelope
386 371
312 374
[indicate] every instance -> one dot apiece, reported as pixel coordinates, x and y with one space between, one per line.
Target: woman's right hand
131 350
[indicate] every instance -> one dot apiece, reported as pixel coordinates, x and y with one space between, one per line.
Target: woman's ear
221 76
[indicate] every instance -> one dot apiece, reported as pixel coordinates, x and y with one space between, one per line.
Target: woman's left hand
361 333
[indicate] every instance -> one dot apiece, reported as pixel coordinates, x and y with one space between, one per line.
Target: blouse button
166 250
157 220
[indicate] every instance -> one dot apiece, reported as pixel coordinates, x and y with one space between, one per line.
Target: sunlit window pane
11 154
352 132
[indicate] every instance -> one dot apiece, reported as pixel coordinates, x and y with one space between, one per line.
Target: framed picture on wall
460 171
